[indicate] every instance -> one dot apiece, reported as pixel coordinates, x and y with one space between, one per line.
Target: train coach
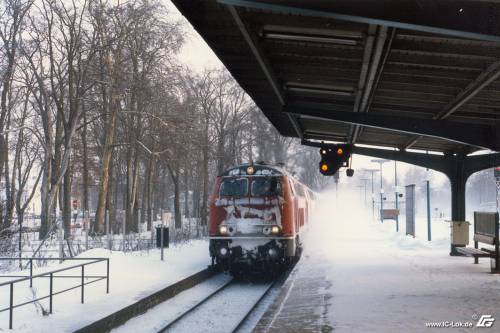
258 214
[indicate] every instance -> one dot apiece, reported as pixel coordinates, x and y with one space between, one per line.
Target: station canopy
405 74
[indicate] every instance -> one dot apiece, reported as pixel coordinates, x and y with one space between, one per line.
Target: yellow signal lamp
324 167
340 151
250 170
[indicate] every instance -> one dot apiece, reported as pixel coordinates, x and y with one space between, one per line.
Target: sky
195 54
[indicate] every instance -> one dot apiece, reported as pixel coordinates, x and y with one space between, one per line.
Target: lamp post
365 180
360 192
372 171
396 193
380 162
428 190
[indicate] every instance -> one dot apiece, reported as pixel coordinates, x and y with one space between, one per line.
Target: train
258 214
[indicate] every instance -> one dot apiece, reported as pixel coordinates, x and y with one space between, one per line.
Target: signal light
328 169
334 157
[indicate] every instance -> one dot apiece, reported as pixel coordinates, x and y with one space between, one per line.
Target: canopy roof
396 73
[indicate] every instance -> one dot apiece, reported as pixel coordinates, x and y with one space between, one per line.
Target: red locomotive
258 213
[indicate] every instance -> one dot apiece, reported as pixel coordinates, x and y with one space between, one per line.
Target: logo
485 321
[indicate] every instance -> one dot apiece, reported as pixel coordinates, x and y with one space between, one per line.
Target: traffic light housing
334 157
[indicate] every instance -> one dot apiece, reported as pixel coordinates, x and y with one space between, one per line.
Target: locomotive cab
253 217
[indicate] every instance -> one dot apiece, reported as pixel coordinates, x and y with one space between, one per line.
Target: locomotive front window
266 187
234 187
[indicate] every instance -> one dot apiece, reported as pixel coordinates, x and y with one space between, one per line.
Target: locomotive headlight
223 230
250 170
275 230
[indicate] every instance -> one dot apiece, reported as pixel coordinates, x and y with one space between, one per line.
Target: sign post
410 209
496 173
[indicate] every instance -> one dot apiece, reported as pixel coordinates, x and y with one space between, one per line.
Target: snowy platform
358 275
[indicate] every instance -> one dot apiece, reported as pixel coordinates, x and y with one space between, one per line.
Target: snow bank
132 277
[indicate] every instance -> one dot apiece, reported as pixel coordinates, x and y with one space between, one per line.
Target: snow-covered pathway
363 277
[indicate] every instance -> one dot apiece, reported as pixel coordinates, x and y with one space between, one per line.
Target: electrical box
460 232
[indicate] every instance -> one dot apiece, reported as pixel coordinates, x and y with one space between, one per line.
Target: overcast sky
196 54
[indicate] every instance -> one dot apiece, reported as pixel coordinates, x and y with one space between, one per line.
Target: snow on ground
132 277
381 281
159 316
221 313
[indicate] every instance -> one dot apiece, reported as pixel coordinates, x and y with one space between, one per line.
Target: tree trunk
45 214
85 175
177 204
150 197
186 193
174 175
67 202
204 199
110 203
105 170
132 177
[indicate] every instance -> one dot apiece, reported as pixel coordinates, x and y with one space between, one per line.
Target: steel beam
491 74
482 136
252 43
457 167
477 163
264 64
366 68
374 75
359 19
435 162
430 161
485 78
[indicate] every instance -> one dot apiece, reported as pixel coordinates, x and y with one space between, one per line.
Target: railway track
225 309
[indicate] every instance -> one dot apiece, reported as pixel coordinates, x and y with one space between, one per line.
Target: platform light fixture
324 89
309 38
319 91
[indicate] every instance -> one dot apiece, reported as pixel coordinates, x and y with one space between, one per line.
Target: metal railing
51 275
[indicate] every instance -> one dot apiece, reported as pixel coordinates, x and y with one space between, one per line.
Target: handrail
49 272
51 275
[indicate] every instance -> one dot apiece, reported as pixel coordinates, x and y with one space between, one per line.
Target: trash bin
493 263
159 230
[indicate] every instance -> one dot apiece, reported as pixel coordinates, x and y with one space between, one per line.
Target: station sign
399 189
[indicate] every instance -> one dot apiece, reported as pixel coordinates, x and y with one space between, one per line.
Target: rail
51 275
